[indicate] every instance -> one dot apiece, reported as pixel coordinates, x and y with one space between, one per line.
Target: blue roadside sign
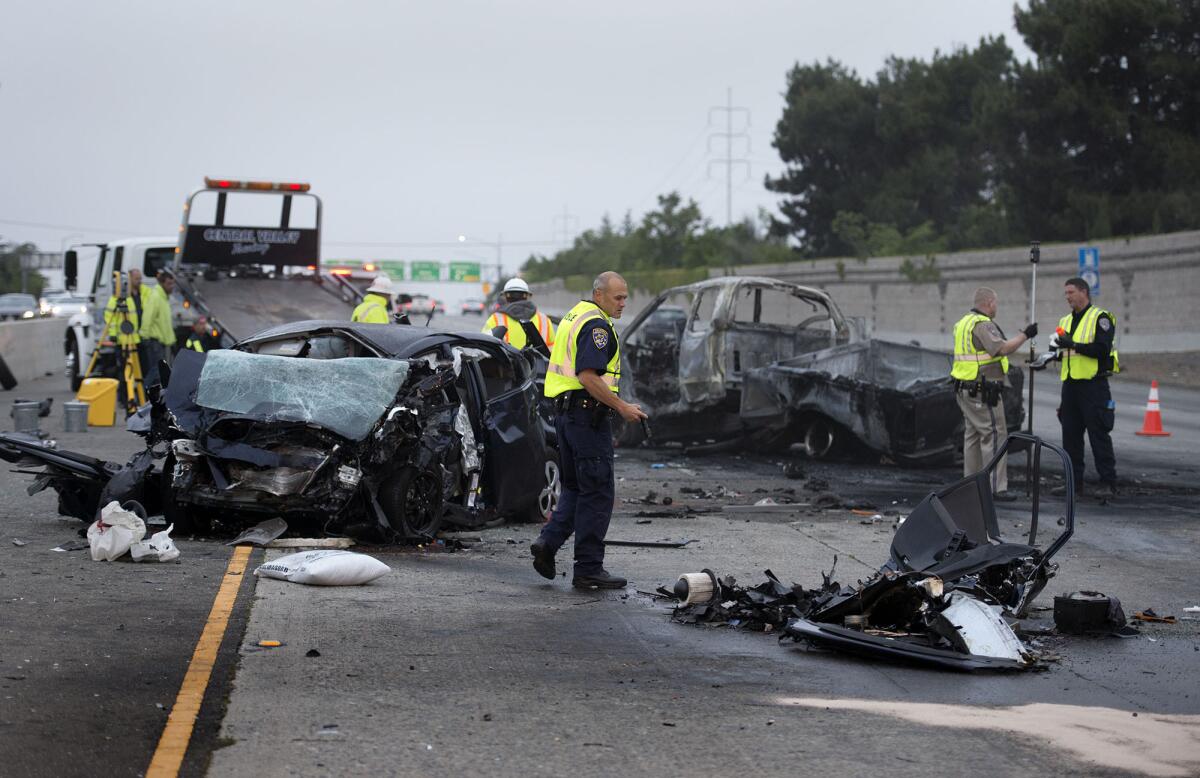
1089 268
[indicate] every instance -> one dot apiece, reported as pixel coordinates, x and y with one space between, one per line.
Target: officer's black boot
600 580
543 560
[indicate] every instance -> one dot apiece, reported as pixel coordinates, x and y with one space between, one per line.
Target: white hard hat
382 285
517 285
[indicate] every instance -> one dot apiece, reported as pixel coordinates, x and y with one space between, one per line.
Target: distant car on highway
63 305
473 305
18 306
419 305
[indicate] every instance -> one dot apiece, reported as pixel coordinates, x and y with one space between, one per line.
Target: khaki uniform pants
979 446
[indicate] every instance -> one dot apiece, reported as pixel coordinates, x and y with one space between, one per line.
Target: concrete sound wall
32 349
1150 283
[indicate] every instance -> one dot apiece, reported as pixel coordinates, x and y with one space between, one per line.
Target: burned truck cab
742 358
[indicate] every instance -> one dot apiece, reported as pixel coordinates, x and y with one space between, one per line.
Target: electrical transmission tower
566 218
729 160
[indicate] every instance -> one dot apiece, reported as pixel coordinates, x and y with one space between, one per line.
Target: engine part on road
697 588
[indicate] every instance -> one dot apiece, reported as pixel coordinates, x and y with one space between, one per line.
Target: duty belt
987 391
578 398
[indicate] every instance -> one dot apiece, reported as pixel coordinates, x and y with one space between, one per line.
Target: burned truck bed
749 359
889 397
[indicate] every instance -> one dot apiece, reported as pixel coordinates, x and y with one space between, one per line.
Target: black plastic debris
944 598
1088 613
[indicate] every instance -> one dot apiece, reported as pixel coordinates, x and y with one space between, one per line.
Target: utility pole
566 217
729 161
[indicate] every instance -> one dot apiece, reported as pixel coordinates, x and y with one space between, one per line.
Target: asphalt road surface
468 663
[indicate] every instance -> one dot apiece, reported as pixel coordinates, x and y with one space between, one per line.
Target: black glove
1064 341
1031 331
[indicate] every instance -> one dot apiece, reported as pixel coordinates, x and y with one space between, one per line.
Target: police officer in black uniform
1087 403
582 379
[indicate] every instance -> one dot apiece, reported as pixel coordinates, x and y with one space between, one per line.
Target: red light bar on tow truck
255 186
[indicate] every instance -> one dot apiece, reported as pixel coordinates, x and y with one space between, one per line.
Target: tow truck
246 275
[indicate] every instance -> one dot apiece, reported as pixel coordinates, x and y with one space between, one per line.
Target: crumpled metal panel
279 481
470 451
345 396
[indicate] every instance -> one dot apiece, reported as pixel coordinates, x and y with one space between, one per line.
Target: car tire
411 500
550 492
74 370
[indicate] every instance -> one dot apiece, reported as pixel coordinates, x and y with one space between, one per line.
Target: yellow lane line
178 733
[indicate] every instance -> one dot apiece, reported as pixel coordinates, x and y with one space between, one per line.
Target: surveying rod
1035 256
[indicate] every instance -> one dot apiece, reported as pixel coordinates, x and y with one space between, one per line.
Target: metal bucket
25 416
75 417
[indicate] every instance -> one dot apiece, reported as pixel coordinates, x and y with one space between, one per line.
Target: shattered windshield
345 396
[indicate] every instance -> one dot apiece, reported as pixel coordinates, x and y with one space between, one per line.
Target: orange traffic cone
1152 423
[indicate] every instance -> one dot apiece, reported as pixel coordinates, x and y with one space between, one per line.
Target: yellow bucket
101 396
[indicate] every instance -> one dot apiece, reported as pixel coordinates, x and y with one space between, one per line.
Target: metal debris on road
262 533
649 543
943 597
1150 616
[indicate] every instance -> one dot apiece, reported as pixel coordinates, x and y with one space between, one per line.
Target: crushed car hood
345 396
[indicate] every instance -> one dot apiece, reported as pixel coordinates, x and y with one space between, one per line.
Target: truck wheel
74 369
412 501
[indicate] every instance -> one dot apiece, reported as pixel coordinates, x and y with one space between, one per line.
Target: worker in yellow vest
582 379
980 373
157 331
1086 345
197 339
376 305
518 307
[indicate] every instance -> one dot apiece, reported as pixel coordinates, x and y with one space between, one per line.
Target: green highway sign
426 271
393 268
464 271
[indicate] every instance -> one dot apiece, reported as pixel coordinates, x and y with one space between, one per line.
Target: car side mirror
499 331
70 269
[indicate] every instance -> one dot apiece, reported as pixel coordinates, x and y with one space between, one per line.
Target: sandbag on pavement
324 568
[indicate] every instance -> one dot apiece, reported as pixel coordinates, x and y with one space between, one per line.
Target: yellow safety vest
515 336
194 343
967 358
560 374
1076 365
113 320
372 310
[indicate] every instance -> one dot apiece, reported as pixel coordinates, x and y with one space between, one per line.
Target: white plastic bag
325 568
114 532
159 548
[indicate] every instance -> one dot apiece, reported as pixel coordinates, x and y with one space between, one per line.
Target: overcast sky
418 122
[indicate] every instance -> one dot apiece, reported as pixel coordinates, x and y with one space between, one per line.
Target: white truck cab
90 268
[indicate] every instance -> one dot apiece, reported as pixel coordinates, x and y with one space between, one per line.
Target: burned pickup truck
372 430
750 358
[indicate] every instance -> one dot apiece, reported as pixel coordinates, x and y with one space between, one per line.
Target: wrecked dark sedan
762 359
371 430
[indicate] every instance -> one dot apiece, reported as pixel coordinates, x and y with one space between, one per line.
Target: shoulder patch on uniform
600 337
1104 324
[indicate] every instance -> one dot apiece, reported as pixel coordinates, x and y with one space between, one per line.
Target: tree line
1098 136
